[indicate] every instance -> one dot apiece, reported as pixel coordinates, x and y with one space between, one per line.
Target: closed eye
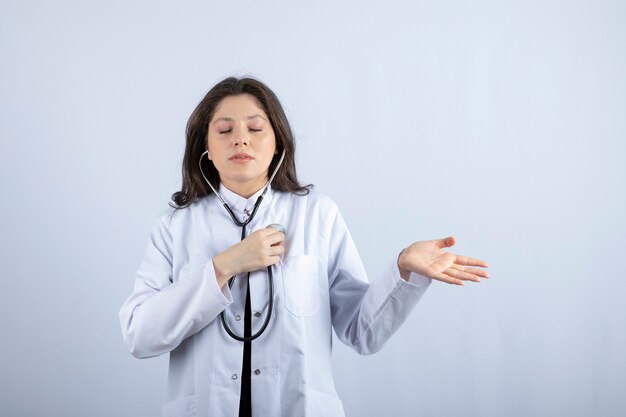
221 132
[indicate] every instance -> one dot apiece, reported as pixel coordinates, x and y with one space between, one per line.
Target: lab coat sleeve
161 312
365 315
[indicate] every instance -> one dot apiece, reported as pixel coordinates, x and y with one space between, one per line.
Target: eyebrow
229 119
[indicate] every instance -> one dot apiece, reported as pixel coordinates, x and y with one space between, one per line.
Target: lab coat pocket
182 407
321 404
300 278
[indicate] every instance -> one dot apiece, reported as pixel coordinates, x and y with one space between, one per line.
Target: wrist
405 274
222 272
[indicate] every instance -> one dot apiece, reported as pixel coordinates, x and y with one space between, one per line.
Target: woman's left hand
427 258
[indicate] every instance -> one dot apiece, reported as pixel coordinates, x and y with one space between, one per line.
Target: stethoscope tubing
270 276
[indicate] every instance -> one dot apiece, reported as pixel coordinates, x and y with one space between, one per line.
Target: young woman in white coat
242 343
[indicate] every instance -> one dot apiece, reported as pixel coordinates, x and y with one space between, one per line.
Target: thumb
446 243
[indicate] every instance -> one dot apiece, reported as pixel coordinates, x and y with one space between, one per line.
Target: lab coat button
234 376
237 317
257 371
257 314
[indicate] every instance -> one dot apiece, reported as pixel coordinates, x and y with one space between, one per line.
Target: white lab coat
320 282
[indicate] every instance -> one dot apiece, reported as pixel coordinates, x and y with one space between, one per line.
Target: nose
240 138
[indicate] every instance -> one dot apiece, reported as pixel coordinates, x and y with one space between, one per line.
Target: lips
241 156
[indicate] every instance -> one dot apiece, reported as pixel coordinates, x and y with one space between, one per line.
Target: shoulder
170 216
314 201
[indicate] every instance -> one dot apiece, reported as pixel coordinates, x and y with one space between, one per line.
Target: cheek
213 146
271 144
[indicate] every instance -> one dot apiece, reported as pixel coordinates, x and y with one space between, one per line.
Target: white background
501 123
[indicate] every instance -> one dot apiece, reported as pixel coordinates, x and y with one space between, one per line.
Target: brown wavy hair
194 186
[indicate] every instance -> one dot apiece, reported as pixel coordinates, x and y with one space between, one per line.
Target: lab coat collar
239 204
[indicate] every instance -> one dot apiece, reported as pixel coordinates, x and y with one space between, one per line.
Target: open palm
427 258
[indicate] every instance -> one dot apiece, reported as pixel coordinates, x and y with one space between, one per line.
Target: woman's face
241 143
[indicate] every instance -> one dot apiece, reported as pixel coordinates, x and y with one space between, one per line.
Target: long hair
194 186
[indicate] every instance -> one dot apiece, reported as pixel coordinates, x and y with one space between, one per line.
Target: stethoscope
270 276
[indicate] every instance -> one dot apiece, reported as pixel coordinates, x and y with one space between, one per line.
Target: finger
276 250
267 231
479 272
455 273
275 238
446 243
448 279
466 260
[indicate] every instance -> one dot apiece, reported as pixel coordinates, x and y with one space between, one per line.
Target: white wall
502 123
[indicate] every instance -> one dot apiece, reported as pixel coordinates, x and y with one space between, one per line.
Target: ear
208 154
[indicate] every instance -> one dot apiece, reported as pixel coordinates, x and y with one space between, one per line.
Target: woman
260 344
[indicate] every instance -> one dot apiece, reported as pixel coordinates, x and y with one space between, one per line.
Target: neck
244 190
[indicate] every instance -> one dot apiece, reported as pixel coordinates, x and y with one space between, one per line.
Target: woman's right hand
258 250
